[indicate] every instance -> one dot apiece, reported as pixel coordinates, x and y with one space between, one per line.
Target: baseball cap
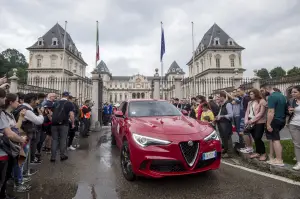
66 94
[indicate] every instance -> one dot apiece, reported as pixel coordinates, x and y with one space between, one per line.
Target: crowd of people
32 123
252 115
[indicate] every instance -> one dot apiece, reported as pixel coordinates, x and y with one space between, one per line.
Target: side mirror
184 112
119 114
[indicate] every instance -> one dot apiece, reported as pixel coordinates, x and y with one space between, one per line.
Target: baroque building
50 66
119 88
218 56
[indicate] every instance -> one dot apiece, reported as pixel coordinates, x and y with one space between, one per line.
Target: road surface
93 172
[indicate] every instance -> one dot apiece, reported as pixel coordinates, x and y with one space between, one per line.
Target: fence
80 88
213 86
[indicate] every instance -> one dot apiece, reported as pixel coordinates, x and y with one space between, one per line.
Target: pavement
93 172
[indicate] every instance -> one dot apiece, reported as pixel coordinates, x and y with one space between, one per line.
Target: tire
126 163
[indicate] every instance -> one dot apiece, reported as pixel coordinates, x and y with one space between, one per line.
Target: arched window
217 41
40 41
143 95
198 67
218 61
54 41
230 42
133 95
232 60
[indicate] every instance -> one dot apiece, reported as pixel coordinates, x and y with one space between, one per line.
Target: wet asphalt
93 172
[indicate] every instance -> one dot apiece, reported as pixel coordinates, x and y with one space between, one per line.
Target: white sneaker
297 166
72 148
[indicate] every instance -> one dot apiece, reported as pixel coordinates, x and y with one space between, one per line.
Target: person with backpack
62 112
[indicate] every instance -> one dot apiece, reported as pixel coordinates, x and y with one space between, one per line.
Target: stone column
95 124
73 86
14 82
256 83
156 89
178 93
237 82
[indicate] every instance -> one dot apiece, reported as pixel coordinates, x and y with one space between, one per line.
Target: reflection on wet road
93 172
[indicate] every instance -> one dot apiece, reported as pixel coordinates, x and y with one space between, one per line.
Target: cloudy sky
130 29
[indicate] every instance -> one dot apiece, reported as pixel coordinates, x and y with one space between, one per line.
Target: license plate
209 155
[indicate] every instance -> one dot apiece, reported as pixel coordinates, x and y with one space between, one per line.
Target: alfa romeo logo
190 143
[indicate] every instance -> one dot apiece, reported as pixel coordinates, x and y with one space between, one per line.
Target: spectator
244 100
294 123
213 105
72 131
7 161
193 108
21 97
277 107
85 117
201 100
255 120
224 125
176 103
63 111
207 115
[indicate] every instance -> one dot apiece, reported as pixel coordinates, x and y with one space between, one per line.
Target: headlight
213 136
144 141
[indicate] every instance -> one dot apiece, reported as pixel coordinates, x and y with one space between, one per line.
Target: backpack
27 126
58 116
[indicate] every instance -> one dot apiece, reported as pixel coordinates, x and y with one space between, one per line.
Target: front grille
204 163
166 166
189 151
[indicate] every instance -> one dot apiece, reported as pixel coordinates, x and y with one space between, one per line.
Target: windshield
152 108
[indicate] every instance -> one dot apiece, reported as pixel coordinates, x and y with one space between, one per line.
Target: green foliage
288 153
294 71
263 73
277 72
12 58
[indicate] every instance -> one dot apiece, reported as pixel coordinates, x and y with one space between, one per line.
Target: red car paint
164 160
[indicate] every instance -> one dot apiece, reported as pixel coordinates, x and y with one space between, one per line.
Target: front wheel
126 165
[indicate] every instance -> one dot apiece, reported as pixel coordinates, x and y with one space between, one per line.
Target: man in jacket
85 117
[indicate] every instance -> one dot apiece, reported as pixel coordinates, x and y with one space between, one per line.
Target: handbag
250 127
11 148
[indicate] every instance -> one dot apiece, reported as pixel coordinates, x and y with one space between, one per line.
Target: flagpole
64 55
97 45
162 63
193 68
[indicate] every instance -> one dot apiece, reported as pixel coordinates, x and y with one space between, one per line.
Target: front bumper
161 161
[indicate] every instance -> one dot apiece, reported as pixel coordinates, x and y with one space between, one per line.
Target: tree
277 72
294 71
12 58
263 73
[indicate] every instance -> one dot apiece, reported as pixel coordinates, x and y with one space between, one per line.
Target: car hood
169 125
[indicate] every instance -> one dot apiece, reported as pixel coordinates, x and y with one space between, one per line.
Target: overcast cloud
130 29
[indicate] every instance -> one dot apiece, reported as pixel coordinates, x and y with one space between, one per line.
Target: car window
152 108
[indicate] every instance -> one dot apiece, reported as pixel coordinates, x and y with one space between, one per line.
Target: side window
124 108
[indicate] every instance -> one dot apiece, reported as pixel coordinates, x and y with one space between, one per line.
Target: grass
288 152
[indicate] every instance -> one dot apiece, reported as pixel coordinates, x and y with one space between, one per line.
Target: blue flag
162 47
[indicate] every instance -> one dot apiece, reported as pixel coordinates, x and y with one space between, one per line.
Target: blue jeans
18 169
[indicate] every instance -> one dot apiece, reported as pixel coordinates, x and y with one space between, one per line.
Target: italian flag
97 45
